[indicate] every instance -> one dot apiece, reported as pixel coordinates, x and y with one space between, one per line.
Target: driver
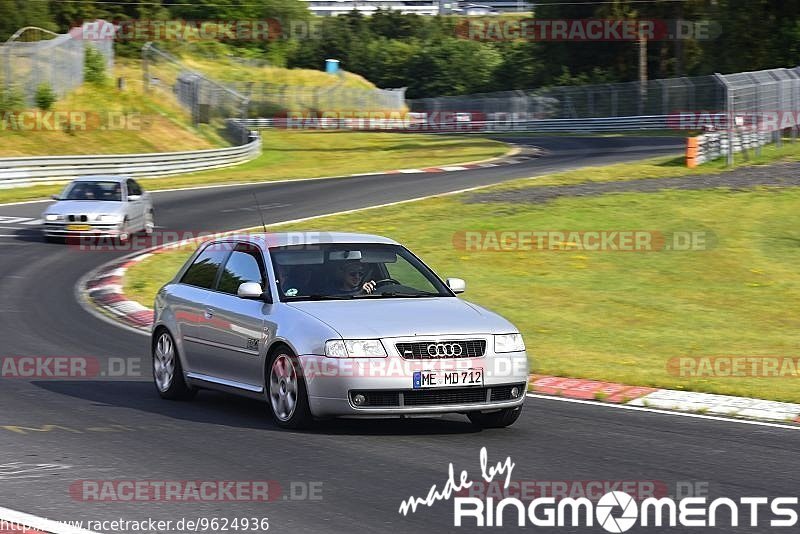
349 279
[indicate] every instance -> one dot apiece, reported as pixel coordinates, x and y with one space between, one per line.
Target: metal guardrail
21 171
588 125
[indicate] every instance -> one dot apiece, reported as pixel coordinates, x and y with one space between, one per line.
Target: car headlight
354 348
508 343
110 218
52 217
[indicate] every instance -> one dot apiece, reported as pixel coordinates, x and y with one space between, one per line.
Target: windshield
109 191
348 271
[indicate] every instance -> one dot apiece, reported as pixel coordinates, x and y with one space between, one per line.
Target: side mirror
456 285
55 197
250 290
134 198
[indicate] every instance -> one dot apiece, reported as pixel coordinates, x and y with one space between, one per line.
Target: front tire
286 390
167 370
498 419
149 223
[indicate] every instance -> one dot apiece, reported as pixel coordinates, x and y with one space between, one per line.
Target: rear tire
167 370
498 419
286 390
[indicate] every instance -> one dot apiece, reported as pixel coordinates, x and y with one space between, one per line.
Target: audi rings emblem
444 350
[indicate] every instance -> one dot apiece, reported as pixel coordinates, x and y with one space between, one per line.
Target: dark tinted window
243 266
203 271
134 188
106 191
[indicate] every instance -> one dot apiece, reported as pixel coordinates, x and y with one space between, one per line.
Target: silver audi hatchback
333 324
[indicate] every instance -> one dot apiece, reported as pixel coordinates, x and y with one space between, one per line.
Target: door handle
209 313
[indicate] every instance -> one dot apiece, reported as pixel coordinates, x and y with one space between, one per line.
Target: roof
101 178
282 239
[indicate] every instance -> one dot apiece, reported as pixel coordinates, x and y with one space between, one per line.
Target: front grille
445 396
81 218
436 397
435 350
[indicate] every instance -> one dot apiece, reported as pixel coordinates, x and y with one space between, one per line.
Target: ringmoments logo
615 511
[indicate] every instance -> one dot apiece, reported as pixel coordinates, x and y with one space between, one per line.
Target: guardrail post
728 114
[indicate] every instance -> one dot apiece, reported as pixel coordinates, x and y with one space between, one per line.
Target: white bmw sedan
99 206
333 324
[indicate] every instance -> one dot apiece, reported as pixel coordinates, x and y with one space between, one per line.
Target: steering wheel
386 281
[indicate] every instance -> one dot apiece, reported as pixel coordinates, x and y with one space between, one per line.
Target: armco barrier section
713 145
605 124
16 172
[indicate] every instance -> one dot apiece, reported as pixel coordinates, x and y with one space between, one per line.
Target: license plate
78 227
438 379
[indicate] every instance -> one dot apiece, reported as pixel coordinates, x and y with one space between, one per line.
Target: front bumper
58 229
387 384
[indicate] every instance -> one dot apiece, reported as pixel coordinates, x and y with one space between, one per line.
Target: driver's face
352 275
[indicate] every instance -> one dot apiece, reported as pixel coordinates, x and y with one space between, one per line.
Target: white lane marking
6 219
33 222
40 523
410 171
453 168
17 470
664 412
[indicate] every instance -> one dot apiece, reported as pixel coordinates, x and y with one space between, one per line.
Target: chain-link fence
208 101
34 56
751 107
213 102
655 97
267 99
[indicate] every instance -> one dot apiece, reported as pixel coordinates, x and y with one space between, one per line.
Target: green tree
94 66
45 96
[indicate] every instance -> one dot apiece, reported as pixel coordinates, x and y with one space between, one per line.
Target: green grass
310 154
617 316
161 125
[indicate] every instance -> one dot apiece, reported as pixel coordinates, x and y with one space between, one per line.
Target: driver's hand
369 287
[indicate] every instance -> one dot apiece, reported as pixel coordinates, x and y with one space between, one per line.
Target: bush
11 100
45 97
94 66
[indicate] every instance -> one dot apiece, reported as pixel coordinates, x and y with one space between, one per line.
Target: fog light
514 392
359 399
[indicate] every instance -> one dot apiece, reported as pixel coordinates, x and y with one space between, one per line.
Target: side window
203 271
244 265
134 188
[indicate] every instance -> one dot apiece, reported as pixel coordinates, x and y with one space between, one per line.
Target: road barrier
18 172
713 145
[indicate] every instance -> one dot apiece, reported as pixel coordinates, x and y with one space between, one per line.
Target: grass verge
616 316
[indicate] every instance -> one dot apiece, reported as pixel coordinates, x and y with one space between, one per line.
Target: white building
419 7
368 7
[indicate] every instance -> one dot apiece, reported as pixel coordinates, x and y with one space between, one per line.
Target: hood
86 207
381 318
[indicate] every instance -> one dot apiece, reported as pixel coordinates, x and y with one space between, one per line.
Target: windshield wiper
399 294
319 297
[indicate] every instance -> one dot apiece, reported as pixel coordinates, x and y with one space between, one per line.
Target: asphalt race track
108 429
